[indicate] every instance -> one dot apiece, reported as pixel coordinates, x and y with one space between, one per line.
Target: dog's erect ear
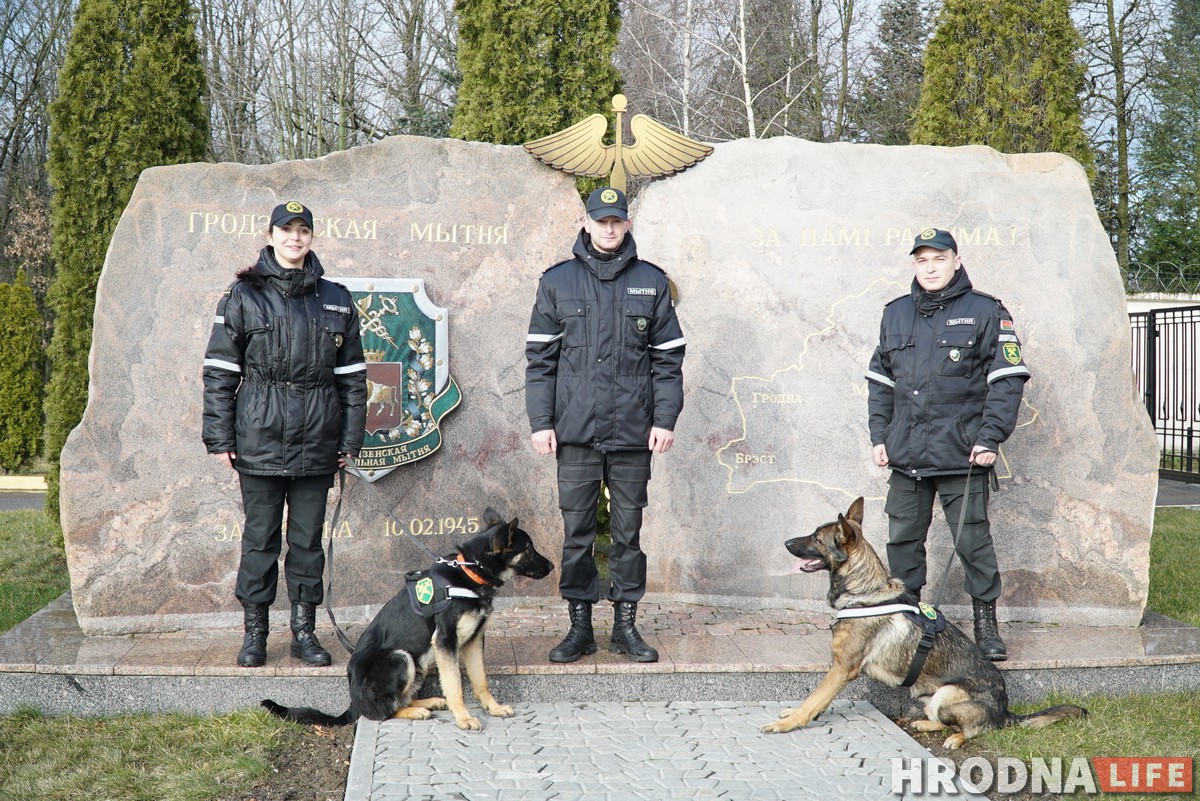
847 531
855 512
491 517
502 539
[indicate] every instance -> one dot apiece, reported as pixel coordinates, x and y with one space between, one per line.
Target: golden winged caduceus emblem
580 149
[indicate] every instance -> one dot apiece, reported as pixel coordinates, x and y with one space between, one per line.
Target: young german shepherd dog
957 687
401 646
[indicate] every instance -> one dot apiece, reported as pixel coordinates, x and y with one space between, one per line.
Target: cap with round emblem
292 210
934 238
607 202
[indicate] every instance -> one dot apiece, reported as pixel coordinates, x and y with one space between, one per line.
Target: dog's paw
501 711
927 725
432 703
413 713
469 723
780 726
954 741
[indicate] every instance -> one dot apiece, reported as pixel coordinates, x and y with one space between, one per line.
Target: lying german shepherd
957 688
437 624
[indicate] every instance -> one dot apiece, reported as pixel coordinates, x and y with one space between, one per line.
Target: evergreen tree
129 97
533 67
889 102
20 374
1004 73
1169 213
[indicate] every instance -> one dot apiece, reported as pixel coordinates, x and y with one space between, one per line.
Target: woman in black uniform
284 400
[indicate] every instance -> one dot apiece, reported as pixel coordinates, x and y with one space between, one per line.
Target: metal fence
1163 277
1166 367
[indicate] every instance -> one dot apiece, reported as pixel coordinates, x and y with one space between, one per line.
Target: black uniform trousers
910 513
263 499
580 473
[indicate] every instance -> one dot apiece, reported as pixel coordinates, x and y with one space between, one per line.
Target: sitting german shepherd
434 624
957 687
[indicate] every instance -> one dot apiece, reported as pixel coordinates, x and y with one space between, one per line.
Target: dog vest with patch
430 593
929 619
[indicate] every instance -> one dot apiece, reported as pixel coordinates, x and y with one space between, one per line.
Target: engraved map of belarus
778 442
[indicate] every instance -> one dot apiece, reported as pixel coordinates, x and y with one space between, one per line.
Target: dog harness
429 593
930 619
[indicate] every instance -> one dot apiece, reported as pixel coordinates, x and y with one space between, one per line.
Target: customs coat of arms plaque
409 388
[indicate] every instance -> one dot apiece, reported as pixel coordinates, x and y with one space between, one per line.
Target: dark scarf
930 303
605 266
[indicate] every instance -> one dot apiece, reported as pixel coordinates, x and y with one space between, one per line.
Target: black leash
962 518
337 511
929 625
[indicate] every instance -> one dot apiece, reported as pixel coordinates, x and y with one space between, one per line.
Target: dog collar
471 574
875 611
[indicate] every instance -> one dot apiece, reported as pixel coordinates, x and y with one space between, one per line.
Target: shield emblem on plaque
409 388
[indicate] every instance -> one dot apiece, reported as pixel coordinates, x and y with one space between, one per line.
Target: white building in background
1150 301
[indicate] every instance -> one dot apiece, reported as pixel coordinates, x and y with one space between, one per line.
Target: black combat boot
256 622
625 637
579 639
305 645
987 634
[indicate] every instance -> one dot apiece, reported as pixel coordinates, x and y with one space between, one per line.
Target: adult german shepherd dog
957 688
436 625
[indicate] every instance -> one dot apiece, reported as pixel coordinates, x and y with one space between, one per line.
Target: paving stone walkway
630 751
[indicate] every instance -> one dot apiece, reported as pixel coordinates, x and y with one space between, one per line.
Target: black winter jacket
944 381
605 351
284 376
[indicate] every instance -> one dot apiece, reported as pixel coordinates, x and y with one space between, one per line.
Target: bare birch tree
722 69
1121 39
229 33
33 36
300 78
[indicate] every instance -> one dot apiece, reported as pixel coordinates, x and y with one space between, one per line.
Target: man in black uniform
603 389
944 390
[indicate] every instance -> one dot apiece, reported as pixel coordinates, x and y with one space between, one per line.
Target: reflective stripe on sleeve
880 379
221 364
674 343
1008 338
543 338
1006 372
218 320
350 368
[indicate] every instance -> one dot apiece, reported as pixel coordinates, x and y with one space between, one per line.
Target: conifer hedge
533 67
20 374
129 97
1005 73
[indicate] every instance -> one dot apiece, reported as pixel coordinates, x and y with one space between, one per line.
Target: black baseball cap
607 202
934 238
286 212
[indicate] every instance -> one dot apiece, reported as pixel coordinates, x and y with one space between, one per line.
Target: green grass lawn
1117 725
1122 725
33 571
1174 568
1132 725
181 758
138 758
